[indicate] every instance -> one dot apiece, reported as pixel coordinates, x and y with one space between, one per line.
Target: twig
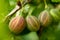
17 7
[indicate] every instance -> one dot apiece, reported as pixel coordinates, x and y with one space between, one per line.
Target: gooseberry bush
29 19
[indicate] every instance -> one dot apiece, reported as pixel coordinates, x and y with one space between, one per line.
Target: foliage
52 32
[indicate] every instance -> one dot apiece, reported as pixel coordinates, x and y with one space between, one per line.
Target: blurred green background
50 33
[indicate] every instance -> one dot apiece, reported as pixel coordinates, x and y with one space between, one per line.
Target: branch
17 7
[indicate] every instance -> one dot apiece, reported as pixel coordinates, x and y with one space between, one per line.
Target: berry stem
46 6
18 12
31 10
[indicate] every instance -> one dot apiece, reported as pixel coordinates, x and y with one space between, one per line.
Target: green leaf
30 36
